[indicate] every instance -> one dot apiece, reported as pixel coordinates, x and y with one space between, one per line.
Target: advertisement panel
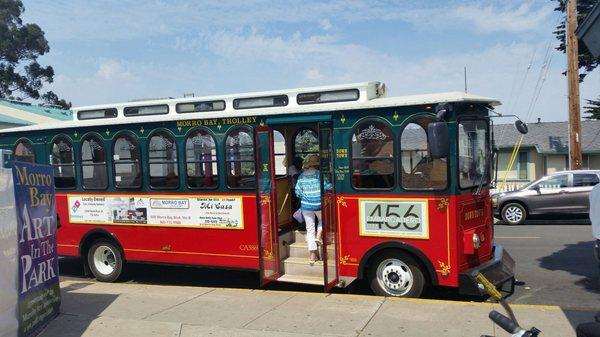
224 212
38 287
394 218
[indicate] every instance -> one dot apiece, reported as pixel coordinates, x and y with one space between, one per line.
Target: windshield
473 152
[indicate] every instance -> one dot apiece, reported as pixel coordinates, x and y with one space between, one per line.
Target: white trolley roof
371 95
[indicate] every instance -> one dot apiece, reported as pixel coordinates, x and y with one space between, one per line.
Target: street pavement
558 289
554 263
97 309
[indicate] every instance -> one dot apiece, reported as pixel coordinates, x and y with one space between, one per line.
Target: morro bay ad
38 287
223 212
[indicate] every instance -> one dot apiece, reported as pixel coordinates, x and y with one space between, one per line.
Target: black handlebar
504 322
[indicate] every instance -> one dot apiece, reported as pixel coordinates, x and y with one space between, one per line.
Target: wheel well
90 237
513 202
415 253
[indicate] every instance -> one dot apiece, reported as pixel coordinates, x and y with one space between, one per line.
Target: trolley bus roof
370 97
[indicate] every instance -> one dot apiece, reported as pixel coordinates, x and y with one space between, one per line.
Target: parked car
564 193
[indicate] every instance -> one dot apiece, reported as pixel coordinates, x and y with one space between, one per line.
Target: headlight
476 241
494 201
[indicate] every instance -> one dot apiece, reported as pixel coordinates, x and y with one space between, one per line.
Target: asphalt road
555 266
555 263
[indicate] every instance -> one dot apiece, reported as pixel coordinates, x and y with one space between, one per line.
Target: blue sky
112 51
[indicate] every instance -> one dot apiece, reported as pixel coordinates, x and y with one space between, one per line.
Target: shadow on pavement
221 278
576 259
70 315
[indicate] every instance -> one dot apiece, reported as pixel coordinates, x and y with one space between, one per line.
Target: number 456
390 211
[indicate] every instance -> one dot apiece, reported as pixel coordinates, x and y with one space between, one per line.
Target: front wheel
105 261
396 274
514 213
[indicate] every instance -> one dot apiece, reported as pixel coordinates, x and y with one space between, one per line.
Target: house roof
23 113
549 137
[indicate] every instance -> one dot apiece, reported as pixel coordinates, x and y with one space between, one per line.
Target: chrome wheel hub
104 260
395 277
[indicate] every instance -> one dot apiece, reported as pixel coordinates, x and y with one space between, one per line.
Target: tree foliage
592 108
587 62
21 76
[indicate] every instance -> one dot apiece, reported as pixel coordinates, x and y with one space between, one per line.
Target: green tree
21 76
587 62
593 108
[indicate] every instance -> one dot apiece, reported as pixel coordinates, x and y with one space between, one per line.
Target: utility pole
573 85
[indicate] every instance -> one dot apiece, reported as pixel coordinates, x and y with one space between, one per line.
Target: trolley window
126 162
95 114
162 161
62 160
281 167
130 111
24 151
372 156
420 171
305 144
473 149
201 160
93 163
260 102
327 96
200 106
239 158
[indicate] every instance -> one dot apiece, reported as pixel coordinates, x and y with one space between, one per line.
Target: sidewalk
119 309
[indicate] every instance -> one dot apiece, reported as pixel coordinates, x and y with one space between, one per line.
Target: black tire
396 269
105 260
513 213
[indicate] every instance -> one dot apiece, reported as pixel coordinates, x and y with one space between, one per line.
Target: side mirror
521 127
536 187
437 139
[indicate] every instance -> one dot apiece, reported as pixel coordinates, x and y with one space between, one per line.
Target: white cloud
126 20
325 24
479 18
113 70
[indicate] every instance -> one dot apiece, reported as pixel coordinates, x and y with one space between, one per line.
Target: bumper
499 271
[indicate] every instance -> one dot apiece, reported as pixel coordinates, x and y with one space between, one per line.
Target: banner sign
224 212
394 218
38 287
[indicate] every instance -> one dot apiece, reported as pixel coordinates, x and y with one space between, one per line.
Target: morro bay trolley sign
393 218
157 210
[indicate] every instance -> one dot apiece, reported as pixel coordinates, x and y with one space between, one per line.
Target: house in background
544 150
17 113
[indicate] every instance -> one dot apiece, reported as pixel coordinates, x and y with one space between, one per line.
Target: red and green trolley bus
206 182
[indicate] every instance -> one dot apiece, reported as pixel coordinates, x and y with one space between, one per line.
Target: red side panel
237 248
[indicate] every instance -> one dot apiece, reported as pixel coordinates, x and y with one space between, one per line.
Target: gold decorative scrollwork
265 199
267 255
443 204
444 268
344 259
341 201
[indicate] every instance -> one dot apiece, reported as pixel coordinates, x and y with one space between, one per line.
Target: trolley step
301 266
301 279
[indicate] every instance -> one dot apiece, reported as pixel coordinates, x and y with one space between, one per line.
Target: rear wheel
514 214
396 274
105 260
